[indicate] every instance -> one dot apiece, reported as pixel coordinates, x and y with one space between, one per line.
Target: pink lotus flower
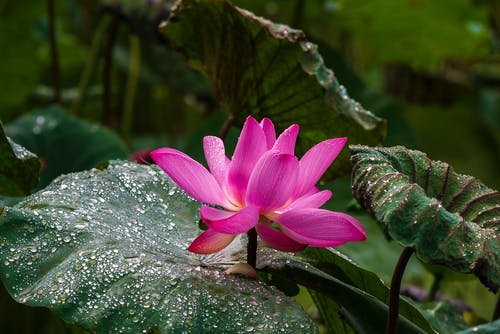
264 186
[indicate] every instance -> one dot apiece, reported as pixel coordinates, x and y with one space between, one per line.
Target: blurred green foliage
431 68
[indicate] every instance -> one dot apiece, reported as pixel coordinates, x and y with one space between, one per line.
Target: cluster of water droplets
107 249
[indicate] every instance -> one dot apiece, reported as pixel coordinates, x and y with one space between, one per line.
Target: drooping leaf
450 219
489 328
106 249
19 168
341 267
265 69
65 143
363 310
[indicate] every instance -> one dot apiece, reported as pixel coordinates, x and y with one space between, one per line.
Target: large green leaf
65 143
106 249
449 219
19 168
364 312
265 69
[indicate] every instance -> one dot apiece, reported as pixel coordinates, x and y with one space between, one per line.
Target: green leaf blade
106 249
450 219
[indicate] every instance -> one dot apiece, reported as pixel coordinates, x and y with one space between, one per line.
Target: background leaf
489 328
265 69
449 219
19 168
107 250
65 143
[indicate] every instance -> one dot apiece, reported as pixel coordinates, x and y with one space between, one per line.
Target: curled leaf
19 168
449 218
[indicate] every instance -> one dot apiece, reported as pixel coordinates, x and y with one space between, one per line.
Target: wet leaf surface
266 69
106 249
449 218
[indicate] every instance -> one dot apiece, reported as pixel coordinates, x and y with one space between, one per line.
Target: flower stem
397 276
225 128
252 247
54 54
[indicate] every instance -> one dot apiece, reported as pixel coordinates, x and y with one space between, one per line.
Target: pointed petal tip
210 242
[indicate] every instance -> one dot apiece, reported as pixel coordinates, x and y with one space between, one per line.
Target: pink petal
190 175
267 125
315 162
320 228
286 141
272 181
230 222
310 201
217 161
277 240
210 242
250 147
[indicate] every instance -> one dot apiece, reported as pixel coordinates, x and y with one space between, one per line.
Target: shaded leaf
19 168
489 328
444 317
341 267
265 69
363 310
106 249
450 219
65 143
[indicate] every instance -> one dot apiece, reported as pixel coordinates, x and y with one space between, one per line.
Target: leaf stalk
397 275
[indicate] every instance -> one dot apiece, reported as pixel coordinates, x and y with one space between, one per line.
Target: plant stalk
434 288
134 67
54 53
106 116
252 247
397 276
225 128
90 65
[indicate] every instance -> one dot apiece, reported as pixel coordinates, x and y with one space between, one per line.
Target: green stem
106 116
434 288
134 67
252 247
298 13
91 64
496 312
397 276
225 128
54 53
